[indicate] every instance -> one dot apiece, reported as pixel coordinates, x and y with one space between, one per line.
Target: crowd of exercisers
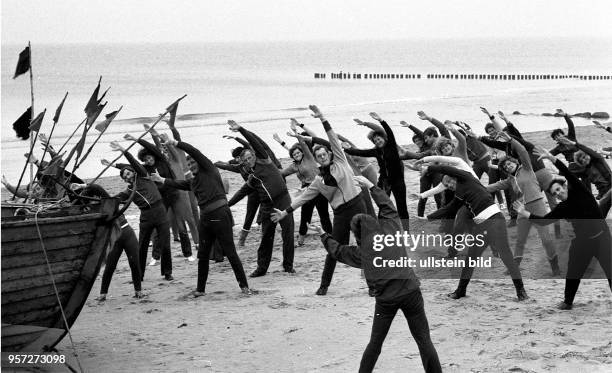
179 189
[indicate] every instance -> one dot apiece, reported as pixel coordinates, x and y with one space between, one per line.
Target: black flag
22 125
23 65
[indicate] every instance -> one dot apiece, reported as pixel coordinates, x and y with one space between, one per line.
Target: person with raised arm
393 288
152 211
592 235
567 150
488 221
266 179
305 167
216 219
336 182
523 183
391 167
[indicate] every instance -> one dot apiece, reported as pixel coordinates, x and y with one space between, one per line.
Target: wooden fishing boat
70 243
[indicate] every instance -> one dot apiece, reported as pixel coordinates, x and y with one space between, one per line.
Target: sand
285 327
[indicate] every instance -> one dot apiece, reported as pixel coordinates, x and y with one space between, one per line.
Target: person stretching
592 235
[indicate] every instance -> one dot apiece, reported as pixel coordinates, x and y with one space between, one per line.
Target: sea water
262 85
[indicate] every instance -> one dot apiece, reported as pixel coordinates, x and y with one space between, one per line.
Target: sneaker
153 262
196 294
564 306
457 294
246 291
322 290
101 298
258 273
522 295
191 259
168 277
289 270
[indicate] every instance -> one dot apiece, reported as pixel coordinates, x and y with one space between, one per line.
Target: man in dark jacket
394 288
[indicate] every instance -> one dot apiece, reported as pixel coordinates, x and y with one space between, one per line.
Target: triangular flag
91 117
23 64
37 122
102 126
21 125
93 102
59 109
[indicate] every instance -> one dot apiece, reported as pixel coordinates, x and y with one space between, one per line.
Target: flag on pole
23 64
22 125
59 109
101 127
37 122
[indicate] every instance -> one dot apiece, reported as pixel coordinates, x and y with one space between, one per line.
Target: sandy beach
285 327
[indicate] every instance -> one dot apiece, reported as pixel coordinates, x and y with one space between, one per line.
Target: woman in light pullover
306 169
592 235
336 183
523 183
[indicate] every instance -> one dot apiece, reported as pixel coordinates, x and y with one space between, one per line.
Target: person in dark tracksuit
335 182
216 219
265 178
391 167
395 288
592 235
152 212
125 241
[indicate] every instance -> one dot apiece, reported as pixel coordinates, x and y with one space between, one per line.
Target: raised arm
334 142
571 130
450 171
461 142
152 149
138 168
361 152
205 164
228 166
441 127
522 153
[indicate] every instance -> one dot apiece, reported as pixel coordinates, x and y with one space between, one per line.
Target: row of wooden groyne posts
343 75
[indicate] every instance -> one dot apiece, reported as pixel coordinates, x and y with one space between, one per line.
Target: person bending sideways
335 182
592 235
488 220
152 212
215 216
394 288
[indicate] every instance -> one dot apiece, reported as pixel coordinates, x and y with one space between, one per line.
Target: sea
262 85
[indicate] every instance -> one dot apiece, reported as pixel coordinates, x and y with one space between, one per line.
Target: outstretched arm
334 142
450 171
346 254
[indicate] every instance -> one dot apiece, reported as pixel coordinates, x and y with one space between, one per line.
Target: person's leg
130 246
399 192
251 210
306 216
383 318
111 263
264 252
287 234
223 227
424 185
603 254
522 232
182 216
414 311
474 252
494 176
323 210
208 236
144 237
580 255
163 233
369 172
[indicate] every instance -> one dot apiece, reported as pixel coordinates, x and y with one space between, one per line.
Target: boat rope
42 245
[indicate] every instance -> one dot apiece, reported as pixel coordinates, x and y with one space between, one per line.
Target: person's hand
564 140
414 196
105 162
228 137
376 116
278 215
154 176
464 126
502 116
75 186
276 138
317 228
520 209
43 139
542 153
294 125
359 122
152 131
346 145
129 137
316 113
165 140
292 134
233 125
403 123
31 159
560 112
423 116
484 110
363 181
450 125
503 136
115 146
470 133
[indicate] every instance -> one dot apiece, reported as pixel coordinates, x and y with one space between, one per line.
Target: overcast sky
78 21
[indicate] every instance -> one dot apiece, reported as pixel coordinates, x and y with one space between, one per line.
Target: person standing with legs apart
215 216
394 288
336 183
152 212
579 207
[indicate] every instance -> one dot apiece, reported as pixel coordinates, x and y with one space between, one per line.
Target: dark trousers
322 205
216 226
495 176
268 230
179 215
151 219
127 242
398 188
341 232
251 210
481 166
580 254
497 237
384 312
427 182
